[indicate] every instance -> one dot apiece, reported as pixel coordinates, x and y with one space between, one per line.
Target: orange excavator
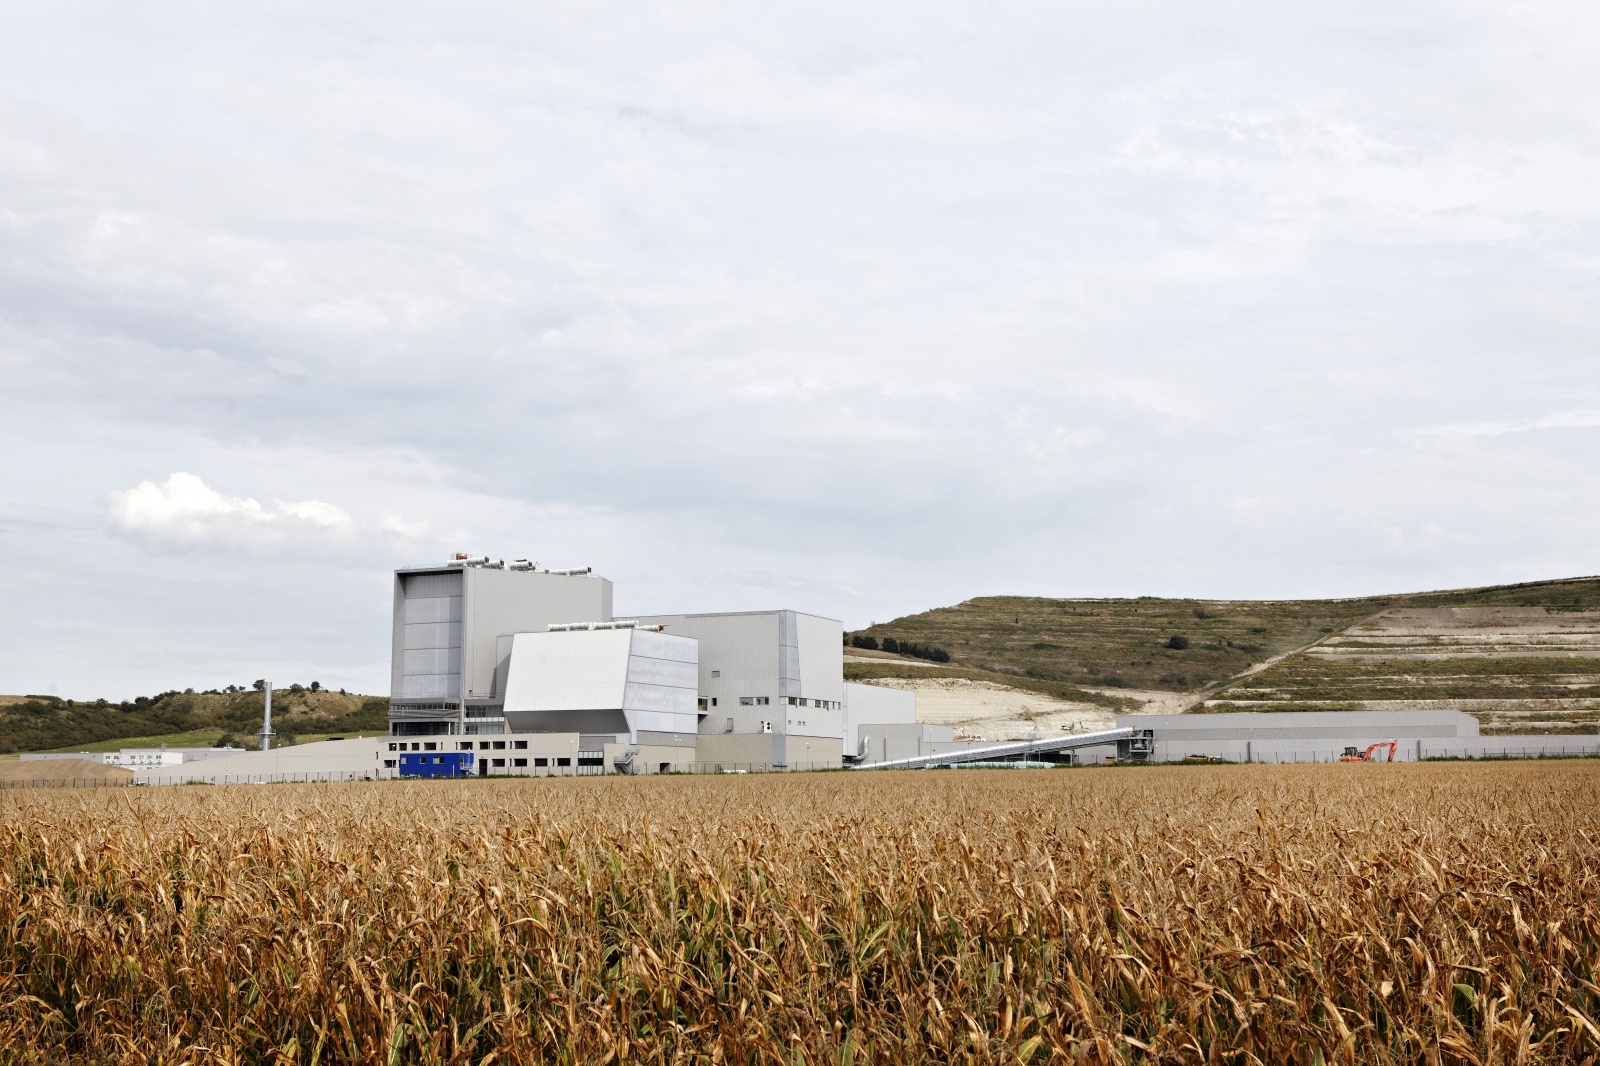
1371 754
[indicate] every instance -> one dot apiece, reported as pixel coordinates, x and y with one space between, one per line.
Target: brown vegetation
1417 914
68 772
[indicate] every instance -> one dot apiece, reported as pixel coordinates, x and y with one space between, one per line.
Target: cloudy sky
854 309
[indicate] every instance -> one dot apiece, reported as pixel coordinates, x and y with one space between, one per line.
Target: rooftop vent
582 627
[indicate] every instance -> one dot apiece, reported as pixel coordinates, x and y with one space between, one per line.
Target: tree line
900 647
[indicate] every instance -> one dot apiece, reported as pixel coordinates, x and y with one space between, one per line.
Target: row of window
466 745
537 762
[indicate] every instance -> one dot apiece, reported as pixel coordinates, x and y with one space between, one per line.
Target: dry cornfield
1411 914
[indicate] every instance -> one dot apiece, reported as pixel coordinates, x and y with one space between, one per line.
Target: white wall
578 671
359 757
647 678
876 705
821 657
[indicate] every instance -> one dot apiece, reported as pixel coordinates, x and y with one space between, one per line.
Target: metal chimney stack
266 733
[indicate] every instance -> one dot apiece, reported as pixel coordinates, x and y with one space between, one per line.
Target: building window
762 701
519 762
563 762
753 701
520 745
592 761
499 745
541 762
388 764
483 745
392 747
466 745
499 762
713 701
430 746
415 746
716 673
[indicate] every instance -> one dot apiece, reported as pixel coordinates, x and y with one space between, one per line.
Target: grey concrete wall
1307 750
812 752
738 658
887 741
1352 727
735 747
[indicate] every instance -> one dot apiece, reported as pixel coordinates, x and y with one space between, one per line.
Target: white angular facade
636 682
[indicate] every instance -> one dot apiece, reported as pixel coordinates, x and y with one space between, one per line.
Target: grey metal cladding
431 661
428 585
788 655
644 670
637 697
423 609
433 635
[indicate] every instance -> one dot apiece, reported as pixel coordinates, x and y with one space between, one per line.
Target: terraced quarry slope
1523 658
1518 669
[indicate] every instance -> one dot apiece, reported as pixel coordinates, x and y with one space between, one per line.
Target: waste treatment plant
508 669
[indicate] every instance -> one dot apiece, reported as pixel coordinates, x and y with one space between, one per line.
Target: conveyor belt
1019 749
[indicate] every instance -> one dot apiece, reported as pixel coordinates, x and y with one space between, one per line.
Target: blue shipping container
436 764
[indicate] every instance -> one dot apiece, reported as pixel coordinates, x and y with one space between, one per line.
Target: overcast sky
854 309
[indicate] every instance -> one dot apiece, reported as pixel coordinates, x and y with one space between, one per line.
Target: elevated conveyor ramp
1021 750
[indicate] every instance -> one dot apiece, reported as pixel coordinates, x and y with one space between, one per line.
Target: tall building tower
452 636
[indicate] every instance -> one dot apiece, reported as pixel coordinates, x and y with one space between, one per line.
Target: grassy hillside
1521 657
1124 643
42 723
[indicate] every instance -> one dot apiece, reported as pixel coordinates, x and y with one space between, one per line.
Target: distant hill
40 723
1522 657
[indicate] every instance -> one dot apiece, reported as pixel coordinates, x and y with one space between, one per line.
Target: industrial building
453 626
487 648
508 669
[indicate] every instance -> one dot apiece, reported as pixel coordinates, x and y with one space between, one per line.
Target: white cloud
184 510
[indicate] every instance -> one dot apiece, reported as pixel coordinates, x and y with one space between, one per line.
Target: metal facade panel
586 670
512 601
444 583
432 635
678 647
877 705
427 638
441 686
432 609
432 661
738 657
672 673
821 669
788 655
